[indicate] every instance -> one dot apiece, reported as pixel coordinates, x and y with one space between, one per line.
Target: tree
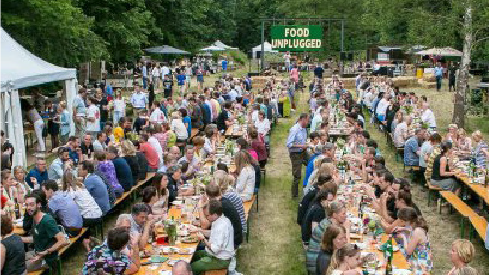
56 31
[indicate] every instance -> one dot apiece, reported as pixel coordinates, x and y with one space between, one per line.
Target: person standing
36 120
138 99
224 65
93 117
297 144
181 82
167 86
287 60
452 71
79 110
64 123
145 75
438 76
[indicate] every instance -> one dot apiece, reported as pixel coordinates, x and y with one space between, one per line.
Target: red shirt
150 154
260 149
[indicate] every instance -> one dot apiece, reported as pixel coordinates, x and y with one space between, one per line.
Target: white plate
395 248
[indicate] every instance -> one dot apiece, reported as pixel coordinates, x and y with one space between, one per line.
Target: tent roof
21 69
389 48
267 48
165 49
221 45
441 52
212 48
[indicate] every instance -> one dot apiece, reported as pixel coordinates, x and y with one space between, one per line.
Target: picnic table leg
248 230
462 227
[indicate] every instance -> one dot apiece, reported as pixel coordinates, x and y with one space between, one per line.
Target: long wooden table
479 189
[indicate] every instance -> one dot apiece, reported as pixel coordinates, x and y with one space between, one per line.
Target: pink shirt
294 74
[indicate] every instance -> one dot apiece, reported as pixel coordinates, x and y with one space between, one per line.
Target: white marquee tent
267 48
21 69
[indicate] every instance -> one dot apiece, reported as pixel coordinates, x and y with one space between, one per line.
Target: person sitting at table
64 208
106 167
99 145
245 182
129 152
225 181
334 238
12 254
309 198
190 158
224 118
210 141
122 169
108 257
401 131
38 174
442 176
480 148
316 212
86 146
427 116
141 223
412 151
461 254
346 261
452 134
19 176
160 182
175 181
464 142
219 249
142 161
335 215
46 237
178 127
413 239
213 192
57 167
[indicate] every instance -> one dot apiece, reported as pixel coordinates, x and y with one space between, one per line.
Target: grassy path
275 246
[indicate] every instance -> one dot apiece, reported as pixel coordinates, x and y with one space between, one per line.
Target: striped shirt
315 245
480 157
238 205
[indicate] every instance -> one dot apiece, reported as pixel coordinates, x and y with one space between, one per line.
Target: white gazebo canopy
267 48
21 69
221 45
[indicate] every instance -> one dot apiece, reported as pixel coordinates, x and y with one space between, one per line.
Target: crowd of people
163 143
322 217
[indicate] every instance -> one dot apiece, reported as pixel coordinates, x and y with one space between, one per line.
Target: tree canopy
67 32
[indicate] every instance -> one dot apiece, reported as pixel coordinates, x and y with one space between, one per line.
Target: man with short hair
64 208
190 158
149 152
427 116
138 99
86 146
95 186
297 144
99 144
93 117
411 148
56 170
219 249
75 150
47 237
140 223
38 174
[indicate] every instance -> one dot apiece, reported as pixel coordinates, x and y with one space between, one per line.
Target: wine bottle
389 254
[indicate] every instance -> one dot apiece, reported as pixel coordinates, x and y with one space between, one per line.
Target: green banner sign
296 38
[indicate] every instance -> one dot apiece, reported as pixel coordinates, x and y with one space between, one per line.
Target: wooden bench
477 222
432 189
216 272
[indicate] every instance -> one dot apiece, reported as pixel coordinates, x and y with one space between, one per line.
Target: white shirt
367 99
138 100
316 122
165 70
245 183
262 126
232 95
99 146
157 146
399 133
155 72
221 239
429 117
382 107
93 112
208 149
157 116
119 105
178 127
89 209
254 116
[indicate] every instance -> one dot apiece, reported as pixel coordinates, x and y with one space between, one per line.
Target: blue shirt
97 188
438 71
224 64
109 90
410 149
309 169
187 120
181 79
64 207
297 136
40 177
64 124
123 173
232 95
144 71
74 156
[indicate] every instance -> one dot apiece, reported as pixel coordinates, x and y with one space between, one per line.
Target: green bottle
389 252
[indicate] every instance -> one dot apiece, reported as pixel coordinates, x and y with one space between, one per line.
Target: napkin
165 272
396 271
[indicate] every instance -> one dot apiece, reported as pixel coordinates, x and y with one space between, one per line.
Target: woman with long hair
245 182
334 238
345 261
225 182
129 152
441 175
